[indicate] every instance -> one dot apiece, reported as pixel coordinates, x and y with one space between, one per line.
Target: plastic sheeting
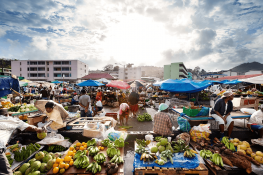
90 83
184 86
179 161
6 84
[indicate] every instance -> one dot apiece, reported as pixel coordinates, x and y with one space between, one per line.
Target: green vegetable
66 108
125 127
144 117
119 143
14 108
105 142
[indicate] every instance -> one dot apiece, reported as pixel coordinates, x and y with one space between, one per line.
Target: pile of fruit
56 148
10 160
42 163
23 117
25 152
144 117
7 104
228 144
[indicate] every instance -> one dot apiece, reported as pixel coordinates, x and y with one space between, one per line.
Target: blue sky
211 34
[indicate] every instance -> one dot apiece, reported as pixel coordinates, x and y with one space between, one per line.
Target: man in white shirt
85 106
255 122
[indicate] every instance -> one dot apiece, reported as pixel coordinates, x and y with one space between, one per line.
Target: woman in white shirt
255 122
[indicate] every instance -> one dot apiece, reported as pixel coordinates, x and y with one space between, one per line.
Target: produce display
119 143
117 159
143 142
228 144
25 152
10 160
93 150
81 159
100 158
94 167
56 148
144 117
111 152
111 168
7 104
189 153
22 108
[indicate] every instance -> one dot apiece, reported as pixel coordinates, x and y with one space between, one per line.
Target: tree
129 65
203 72
116 68
108 67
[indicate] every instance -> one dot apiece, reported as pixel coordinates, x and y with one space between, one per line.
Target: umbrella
21 83
57 82
40 105
90 83
254 80
223 81
119 84
136 83
232 82
160 82
25 80
184 86
103 80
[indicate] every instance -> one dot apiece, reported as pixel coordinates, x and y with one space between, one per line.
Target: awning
90 83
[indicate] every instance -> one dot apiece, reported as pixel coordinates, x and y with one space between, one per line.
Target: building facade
251 72
50 70
175 71
152 71
130 73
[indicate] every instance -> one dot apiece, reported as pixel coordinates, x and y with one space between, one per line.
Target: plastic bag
114 135
94 130
184 125
149 137
247 111
55 139
202 128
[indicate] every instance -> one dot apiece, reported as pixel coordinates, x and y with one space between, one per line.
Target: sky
211 34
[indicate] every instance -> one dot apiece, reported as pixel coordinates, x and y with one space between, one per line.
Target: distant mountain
245 67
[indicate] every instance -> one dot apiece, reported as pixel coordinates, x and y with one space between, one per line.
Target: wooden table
73 170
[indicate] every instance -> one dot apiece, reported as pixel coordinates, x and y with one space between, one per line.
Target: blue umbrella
90 83
184 86
161 82
233 82
57 82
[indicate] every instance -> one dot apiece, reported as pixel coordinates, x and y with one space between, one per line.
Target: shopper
221 113
85 104
255 122
124 113
45 94
99 94
133 102
162 121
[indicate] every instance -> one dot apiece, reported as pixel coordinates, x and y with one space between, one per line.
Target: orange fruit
61 160
83 143
61 171
55 170
74 151
71 163
58 160
73 155
55 165
81 148
62 165
70 153
66 166
78 144
71 148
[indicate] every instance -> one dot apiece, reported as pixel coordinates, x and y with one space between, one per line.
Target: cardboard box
92 133
34 120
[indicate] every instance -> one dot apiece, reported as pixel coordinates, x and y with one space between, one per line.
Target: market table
180 168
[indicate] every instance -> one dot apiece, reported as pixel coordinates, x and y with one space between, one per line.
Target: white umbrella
254 80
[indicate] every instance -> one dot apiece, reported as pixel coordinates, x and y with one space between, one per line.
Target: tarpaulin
179 161
184 86
90 83
6 84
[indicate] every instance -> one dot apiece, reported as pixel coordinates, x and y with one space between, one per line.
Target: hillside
245 67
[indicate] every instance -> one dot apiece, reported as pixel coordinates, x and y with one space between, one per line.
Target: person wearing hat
221 113
162 121
124 113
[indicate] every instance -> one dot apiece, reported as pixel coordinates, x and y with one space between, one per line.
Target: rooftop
238 77
95 76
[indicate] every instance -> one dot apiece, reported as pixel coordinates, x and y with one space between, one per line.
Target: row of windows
44 63
44 75
43 69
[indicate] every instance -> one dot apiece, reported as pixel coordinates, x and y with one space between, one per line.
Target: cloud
198 32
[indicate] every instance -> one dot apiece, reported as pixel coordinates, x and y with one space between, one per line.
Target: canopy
254 80
223 81
103 80
57 82
25 80
118 84
6 84
90 83
160 82
136 83
232 82
184 86
23 83
37 83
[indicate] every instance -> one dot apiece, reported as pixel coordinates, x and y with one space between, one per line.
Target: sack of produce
184 125
200 131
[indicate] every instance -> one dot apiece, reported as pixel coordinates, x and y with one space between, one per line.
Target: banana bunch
117 159
147 156
14 147
167 154
81 162
93 150
217 159
160 162
228 144
140 149
91 142
189 153
180 146
94 167
206 154
111 152
80 153
100 158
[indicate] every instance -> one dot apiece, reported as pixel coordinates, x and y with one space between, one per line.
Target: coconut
163 141
28 171
46 158
17 173
36 165
24 167
43 168
41 135
161 148
40 155
158 144
35 173
50 163
154 149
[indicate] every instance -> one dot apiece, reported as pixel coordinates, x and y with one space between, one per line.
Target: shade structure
104 80
254 80
223 81
8 83
160 82
23 83
233 82
90 83
136 83
118 84
184 86
57 82
25 80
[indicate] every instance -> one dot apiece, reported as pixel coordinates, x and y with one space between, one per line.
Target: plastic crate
190 112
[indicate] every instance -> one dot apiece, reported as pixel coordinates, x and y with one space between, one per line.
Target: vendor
255 122
75 99
98 106
99 94
221 113
124 113
7 126
54 119
133 102
162 121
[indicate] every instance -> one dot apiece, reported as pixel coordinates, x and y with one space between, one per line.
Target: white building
152 71
251 72
212 76
230 73
50 70
130 73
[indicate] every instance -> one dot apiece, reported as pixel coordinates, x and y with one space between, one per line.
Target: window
57 68
69 62
20 69
28 63
41 63
69 75
33 62
41 75
66 68
41 69
47 69
20 63
47 63
57 75
47 74
57 62
28 69
33 75
65 62
33 69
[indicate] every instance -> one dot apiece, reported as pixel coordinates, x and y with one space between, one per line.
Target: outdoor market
102 126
